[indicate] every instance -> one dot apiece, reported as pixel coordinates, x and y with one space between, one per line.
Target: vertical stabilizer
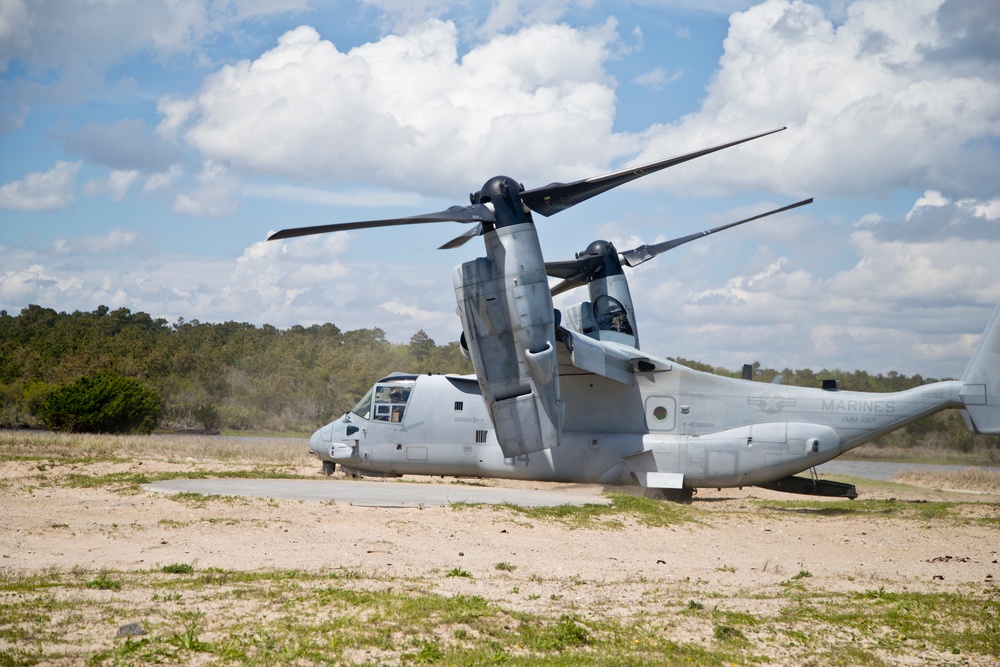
981 382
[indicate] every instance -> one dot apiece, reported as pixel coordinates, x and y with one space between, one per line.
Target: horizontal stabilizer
981 382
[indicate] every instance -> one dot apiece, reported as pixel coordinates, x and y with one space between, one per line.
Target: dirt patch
740 545
66 516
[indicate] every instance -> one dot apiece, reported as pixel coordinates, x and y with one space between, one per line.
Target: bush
101 404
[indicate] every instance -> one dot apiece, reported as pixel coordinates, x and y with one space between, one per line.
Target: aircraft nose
316 443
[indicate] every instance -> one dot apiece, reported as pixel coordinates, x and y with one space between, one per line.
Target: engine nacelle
509 326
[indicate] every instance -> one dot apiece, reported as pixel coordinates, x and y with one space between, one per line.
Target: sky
148 147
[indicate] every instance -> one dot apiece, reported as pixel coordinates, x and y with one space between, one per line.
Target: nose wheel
329 467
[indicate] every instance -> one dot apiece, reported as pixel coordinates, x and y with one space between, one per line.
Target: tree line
230 375
238 376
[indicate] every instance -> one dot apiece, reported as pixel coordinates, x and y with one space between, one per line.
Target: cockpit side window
390 400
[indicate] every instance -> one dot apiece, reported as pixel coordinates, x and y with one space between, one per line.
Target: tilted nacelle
509 326
608 315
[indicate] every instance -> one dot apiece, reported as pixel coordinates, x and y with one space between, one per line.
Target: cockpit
386 401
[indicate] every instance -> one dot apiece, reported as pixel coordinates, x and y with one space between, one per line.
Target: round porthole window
659 413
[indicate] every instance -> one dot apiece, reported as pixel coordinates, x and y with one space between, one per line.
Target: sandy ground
732 545
734 552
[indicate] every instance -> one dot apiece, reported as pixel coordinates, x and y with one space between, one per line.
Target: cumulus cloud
116 185
873 103
161 179
32 281
408 110
300 281
657 78
114 242
214 194
915 298
42 190
52 34
537 101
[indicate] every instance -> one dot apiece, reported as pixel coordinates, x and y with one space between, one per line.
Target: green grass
605 516
313 618
177 568
891 508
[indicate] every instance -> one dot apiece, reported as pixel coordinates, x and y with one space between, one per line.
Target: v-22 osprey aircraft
570 397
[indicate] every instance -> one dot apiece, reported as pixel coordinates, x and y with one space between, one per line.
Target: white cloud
872 104
305 195
175 114
42 190
116 185
300 281
55 34
162 179
406 109
914 300
35 283
115 241
657 78
507 14
414 313
989 210
213 196
931 198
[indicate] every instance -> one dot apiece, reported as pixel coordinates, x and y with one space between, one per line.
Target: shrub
101 404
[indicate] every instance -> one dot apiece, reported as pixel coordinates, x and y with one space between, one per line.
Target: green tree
421 346
102 403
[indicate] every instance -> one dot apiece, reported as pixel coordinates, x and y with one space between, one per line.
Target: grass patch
177 568
890 508
104 584
65 448
607 516
345 617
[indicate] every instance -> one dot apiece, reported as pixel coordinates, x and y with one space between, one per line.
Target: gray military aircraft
569 397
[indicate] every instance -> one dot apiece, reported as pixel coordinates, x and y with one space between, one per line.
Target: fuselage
673 427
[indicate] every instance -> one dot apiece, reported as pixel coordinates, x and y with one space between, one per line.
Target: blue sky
148 147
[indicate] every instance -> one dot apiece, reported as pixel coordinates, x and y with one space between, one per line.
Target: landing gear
684 495
329 467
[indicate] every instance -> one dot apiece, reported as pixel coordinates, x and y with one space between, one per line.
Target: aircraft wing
611 360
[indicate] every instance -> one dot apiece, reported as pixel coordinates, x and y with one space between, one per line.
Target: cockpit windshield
386 401
364 407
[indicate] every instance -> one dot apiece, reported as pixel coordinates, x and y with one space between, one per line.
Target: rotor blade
556 197
476 213
461 239
574 272
567 285
570 269
637 256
